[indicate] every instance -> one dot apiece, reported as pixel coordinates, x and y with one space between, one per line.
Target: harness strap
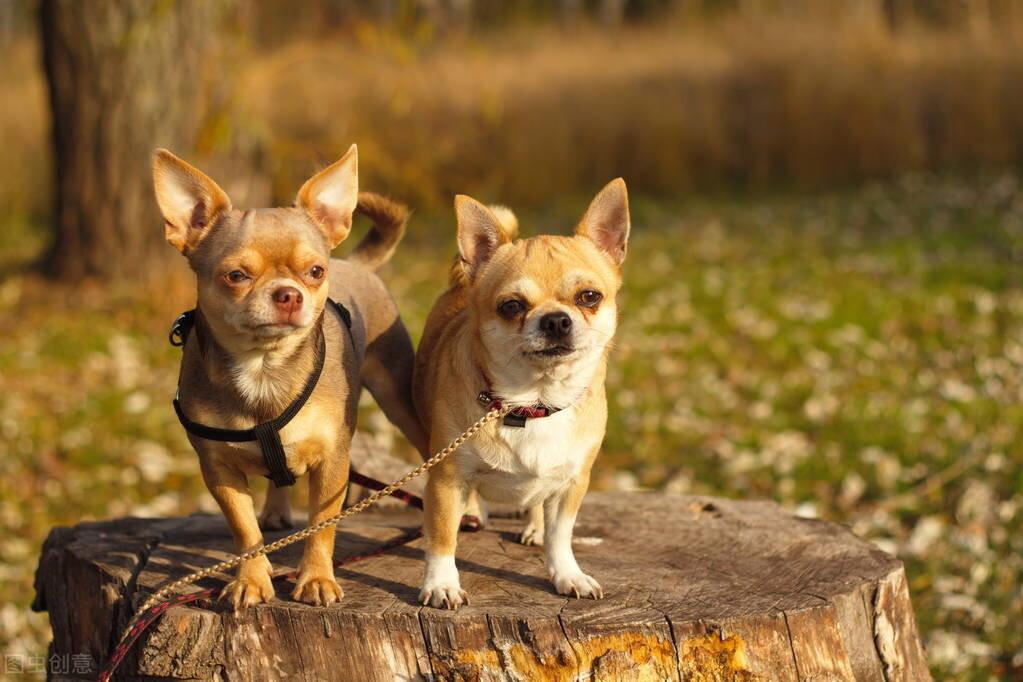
267 434
345 315
274 457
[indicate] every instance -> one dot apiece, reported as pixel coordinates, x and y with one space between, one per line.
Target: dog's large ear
190 201
330 196
479 233
606 222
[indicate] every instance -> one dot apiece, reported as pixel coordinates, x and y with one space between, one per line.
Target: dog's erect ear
606 221
479 233
330 196
190 201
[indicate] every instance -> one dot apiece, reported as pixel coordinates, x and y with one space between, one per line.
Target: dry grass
25 169
528 115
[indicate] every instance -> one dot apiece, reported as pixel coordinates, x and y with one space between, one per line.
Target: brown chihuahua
526 324
264 336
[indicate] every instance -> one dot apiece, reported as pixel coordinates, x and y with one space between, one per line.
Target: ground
856 355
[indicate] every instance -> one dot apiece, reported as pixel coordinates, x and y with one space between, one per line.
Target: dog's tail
389 218
509 225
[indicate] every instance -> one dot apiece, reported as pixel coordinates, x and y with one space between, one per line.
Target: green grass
857 355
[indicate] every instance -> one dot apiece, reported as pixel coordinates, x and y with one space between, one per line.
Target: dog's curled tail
506 218
389 218
509 225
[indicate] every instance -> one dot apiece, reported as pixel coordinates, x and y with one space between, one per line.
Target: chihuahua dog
525 324
262 326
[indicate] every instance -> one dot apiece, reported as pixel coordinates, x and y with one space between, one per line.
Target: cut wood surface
696 589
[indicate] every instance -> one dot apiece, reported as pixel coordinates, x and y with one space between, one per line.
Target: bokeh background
823 301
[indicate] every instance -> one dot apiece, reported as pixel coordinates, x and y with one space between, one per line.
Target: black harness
267 434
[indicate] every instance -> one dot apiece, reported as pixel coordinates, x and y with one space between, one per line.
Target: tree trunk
124 77
896 13
571 11
696 589
612 12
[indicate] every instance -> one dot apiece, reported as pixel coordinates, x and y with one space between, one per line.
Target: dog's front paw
317 588
252 586
576 583
443 595
441 588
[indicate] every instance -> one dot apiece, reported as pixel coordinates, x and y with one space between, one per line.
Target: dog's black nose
556 326
288 299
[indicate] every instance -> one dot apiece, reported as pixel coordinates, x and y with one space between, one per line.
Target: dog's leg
444 502
316 583
532 534
477 506
230 488
559 518
276 514
387 373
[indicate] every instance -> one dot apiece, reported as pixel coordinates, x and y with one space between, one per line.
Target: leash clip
517 421
177 332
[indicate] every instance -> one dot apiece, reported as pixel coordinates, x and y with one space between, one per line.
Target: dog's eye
510 309
317 272
236 277
588 298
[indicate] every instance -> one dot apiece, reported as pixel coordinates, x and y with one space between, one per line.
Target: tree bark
612 12
124 77
696 589
896 13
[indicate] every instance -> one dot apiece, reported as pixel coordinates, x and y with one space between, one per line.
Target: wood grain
697 589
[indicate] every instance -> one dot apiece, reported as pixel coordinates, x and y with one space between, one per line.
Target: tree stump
696 589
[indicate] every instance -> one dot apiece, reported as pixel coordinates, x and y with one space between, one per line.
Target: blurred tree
571 10
444 15
6 22
612 12
124 77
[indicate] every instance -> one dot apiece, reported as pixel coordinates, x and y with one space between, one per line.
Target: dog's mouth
551 352
273 328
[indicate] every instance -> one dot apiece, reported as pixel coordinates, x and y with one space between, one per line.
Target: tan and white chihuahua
260 324
527 324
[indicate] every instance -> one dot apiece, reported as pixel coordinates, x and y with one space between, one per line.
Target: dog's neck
263 378
558 385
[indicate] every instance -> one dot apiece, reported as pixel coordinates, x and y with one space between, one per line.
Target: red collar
519 415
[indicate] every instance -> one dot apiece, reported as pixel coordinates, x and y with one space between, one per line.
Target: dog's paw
443 595
317 589
578 584
531 535
272 520
252 586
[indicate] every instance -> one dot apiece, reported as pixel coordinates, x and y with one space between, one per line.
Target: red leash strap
469 524
408 498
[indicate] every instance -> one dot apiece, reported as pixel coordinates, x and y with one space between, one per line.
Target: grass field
855 355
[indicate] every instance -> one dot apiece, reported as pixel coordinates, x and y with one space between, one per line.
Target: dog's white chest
526 465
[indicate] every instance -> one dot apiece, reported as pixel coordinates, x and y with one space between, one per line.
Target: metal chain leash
262 550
